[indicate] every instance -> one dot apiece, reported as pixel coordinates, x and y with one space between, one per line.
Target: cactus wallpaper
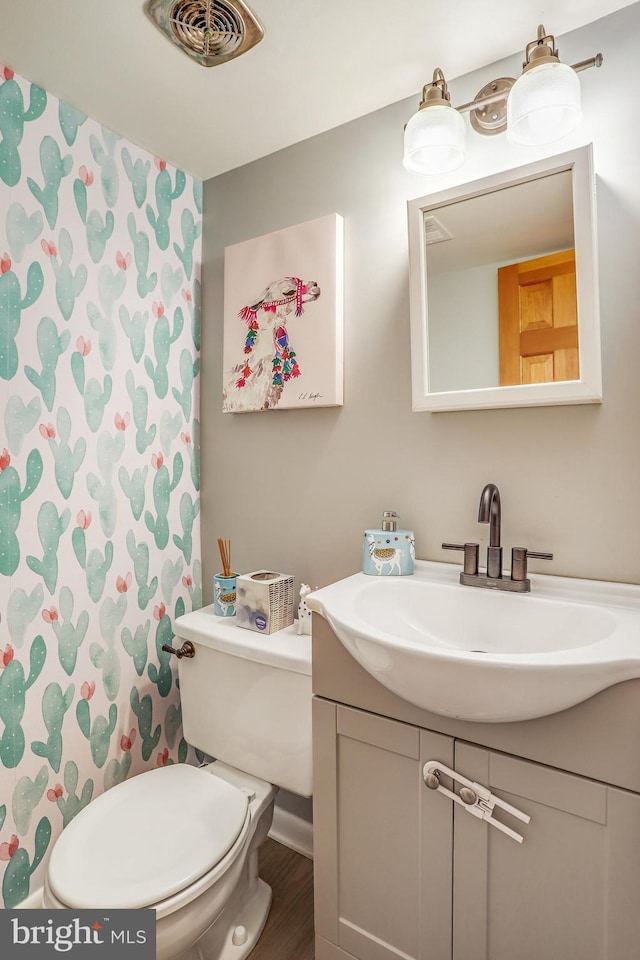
99 484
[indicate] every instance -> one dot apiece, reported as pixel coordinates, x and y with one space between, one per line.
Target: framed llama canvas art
283 296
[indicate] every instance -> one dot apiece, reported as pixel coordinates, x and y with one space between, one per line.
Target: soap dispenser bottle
388 552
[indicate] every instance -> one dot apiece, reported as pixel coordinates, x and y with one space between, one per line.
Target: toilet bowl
184 840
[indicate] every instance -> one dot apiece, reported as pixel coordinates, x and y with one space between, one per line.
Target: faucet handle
519 557
471 552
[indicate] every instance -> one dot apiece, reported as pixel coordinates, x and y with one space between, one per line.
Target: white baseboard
292 831
33 901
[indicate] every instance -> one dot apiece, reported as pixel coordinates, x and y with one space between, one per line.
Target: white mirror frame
588 389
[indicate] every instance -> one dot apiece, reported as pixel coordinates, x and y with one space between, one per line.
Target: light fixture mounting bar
586 64
481 102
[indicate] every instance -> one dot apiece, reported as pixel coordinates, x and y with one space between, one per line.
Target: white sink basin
486 655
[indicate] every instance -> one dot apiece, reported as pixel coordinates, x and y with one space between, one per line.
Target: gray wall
295 489
464 345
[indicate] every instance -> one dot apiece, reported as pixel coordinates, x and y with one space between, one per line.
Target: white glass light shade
434 140
544 104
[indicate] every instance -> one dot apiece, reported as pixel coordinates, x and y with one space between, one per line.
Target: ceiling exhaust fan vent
209 31
434 231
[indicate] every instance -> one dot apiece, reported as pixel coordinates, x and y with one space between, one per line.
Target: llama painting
269 359
283 319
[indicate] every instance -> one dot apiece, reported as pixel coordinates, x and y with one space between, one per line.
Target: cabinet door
569 890
382 851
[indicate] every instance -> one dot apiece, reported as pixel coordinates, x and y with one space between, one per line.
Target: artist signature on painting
313 397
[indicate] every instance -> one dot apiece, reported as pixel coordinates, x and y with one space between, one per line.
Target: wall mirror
504 290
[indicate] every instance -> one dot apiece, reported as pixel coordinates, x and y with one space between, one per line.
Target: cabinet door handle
473 797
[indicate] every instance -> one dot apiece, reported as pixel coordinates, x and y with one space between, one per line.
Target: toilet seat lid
147 838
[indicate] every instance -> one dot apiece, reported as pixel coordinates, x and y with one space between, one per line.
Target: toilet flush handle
186 650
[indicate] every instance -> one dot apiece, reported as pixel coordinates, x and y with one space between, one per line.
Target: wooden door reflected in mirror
538 320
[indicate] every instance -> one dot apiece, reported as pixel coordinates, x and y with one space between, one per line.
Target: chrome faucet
490 511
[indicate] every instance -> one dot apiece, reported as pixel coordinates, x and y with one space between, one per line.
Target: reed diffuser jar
224 595
224 584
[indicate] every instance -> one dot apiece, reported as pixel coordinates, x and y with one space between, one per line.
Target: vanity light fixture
542 105
434 138
544 102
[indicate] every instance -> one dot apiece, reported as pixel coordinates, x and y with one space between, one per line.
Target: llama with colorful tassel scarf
270 361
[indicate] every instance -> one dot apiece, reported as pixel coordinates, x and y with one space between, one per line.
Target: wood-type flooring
288 934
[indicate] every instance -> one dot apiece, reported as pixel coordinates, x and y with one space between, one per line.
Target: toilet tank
246 698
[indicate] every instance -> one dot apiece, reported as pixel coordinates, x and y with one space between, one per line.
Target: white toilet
184 840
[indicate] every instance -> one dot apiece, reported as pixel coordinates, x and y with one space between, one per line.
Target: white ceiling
526 220
320 64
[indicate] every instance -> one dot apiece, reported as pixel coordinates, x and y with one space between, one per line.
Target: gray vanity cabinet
571 889
383 854
404 873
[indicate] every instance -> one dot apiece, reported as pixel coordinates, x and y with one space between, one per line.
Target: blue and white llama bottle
388 552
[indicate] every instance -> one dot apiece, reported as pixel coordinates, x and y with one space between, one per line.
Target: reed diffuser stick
224 546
